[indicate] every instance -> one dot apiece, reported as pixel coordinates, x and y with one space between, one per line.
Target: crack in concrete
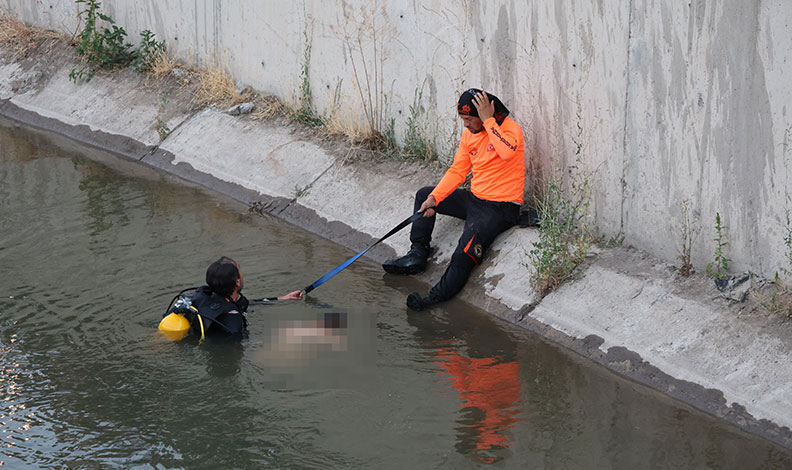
188 118
151 152
623 179
156 147
309 185
637 293
269 155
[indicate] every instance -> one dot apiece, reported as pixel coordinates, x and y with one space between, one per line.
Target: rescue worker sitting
219 307
491 146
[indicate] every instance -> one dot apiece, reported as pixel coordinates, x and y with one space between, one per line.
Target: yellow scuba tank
176 323
175 326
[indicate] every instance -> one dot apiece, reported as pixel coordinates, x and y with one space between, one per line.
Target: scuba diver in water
216 308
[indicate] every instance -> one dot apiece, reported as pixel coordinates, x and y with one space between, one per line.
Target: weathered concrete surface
268 159
119 108
628 311
632 301
664 102
282 162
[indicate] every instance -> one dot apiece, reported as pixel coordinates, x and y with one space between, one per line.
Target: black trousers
484 220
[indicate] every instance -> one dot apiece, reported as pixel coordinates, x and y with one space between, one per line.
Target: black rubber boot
448 286
413 262
418 303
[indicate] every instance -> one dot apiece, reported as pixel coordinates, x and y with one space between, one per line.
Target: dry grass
22 39
268 107
163 66
775 297
216 87
354 132
364 142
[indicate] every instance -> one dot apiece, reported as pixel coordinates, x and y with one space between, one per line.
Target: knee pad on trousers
474 249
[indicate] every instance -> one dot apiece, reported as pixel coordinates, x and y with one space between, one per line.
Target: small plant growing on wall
776 297
788 245
417 146
366 53
101 49
688 235
306 114
564 238
148 52
718 268
106 48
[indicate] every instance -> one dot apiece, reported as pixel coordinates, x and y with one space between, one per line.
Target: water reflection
224 356
480 363
105 204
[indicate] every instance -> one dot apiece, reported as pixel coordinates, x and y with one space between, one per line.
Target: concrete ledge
627 311
678 336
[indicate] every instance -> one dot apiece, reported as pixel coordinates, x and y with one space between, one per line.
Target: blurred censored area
327 333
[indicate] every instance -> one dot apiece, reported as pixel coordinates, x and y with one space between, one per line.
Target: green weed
101 49
564 238
305 114
390 136
612 241
417 146
106 48
300 191
788 246
161 127
148 52
718 268
776 298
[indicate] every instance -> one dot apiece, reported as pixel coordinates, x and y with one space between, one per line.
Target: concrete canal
92 248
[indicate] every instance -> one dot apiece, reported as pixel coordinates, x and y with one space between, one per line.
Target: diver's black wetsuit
221 315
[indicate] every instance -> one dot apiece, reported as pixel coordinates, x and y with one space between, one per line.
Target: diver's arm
296 295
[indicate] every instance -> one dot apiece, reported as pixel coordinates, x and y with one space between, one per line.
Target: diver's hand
428 207
296 295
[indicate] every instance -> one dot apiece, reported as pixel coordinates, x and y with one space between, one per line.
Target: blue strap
351 260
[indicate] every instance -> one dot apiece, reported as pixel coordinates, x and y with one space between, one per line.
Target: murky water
90 255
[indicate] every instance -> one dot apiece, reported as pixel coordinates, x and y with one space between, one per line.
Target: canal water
93 248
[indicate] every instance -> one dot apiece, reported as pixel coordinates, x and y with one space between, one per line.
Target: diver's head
224 277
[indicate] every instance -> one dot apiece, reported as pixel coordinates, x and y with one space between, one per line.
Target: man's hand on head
485 107
428 207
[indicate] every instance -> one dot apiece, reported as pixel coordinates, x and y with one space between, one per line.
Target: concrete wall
671 101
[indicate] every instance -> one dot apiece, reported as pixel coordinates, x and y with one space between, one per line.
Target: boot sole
403 271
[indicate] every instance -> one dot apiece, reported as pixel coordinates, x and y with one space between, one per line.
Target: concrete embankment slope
627 311
672 104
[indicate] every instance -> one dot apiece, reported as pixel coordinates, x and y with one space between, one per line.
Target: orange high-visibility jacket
497 156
